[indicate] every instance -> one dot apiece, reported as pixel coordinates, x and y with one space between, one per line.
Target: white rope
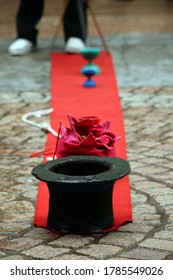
44 126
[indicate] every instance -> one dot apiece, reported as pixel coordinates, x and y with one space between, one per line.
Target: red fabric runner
69 96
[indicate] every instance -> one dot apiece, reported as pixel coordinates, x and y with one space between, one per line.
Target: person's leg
75 20
28 15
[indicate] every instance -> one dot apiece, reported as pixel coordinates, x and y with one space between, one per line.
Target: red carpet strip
69 96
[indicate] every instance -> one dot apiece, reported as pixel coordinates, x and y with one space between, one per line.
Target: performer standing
29 14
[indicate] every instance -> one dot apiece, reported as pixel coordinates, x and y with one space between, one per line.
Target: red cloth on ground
68 96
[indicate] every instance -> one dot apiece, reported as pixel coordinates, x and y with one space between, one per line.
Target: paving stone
138 198
19 244
2 254
165 200
72 241
149 219
156 243
144 254
168 235
169 257
42 233
140 100
136 178
170 220
148 185
144 209
150 170
7 196
99 251
136 227
169 210
169 226
157 192
135 164
31 193
167 180
13 226
122 238
20 210
44 252
153 160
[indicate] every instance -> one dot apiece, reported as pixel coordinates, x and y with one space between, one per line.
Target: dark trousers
31 11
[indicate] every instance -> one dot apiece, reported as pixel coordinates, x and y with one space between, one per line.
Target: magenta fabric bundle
86 136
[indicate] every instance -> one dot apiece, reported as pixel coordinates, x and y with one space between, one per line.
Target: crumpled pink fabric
86 136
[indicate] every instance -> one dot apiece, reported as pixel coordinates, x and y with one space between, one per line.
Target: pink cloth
86 136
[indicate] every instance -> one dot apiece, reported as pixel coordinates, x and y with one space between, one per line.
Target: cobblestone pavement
144 74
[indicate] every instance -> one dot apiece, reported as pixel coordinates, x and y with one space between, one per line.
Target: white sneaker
20 47
74 45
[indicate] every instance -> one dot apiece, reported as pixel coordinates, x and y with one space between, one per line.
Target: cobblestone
156 244
74 241
144 254
44 252
19 244
100 251
122 238
147 103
